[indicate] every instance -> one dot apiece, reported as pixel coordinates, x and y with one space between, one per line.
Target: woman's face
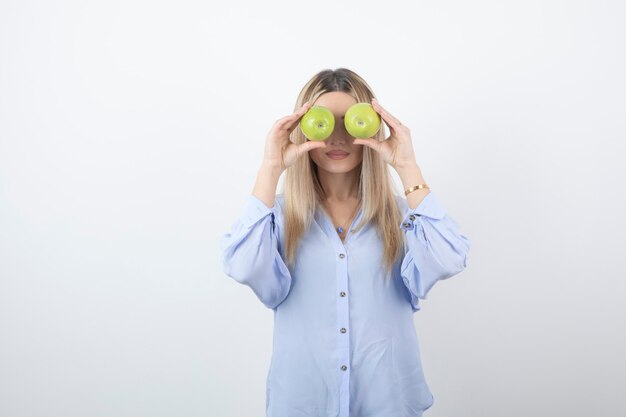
333 158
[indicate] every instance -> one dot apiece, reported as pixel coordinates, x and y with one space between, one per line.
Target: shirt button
342 294
344 367
412 217
341 255
343 330
407 226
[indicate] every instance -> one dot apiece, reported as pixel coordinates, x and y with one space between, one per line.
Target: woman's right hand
280 151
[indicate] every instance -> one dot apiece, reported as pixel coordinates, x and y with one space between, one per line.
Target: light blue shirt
344 342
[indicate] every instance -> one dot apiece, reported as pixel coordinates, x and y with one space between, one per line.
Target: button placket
343 324
343 313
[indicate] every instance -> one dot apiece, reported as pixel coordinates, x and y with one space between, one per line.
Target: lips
337 153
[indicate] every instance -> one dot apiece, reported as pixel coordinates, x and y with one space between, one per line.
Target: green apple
362 121
317 123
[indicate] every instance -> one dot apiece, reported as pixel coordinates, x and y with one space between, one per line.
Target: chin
340 167
336 166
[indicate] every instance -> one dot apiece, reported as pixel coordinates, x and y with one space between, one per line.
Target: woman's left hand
397 149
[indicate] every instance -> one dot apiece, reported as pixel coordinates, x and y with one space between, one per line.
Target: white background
131 132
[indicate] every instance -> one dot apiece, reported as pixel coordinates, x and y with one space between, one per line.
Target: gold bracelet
417 187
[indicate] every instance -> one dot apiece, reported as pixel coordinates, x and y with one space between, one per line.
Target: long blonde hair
302 188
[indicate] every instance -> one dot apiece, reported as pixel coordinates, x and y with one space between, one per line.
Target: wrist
266 183
410 175
406 166
271 168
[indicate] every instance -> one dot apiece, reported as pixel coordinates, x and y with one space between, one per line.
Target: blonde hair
303 190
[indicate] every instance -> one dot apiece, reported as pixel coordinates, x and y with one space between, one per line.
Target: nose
337 139
340 135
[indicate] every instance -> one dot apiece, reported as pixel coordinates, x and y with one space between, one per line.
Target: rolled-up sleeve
250 252
435 249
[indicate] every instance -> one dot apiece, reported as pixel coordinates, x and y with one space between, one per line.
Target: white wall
131 132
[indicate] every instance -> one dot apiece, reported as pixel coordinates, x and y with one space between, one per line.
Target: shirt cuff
254 210
429 207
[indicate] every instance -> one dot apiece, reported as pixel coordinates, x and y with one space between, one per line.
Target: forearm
266 183
410 176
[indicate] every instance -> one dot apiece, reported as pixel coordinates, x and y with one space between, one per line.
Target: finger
310 145
372 143
391 120
290 122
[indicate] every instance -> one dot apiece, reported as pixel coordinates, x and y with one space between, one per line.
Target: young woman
342 261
